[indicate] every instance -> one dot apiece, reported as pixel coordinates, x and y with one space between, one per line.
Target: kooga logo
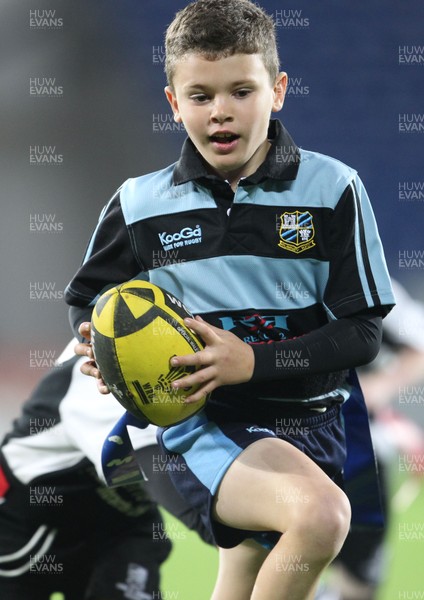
185 237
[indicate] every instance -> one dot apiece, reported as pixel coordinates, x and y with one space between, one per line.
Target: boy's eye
242 93
199 98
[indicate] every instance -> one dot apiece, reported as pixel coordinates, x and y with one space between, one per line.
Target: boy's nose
220 111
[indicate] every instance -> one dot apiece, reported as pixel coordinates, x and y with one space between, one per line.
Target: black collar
281 162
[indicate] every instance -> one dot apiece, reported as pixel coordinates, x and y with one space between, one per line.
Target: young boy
277 249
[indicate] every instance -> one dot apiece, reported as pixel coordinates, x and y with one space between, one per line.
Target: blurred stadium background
82 110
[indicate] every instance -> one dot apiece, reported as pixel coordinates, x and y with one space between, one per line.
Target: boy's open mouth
224 138
224 142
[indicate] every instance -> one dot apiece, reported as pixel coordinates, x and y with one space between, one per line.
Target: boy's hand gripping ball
137 327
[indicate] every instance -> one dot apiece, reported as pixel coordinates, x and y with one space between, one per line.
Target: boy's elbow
372 334
371 351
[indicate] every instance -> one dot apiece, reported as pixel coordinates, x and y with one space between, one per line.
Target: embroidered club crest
296 231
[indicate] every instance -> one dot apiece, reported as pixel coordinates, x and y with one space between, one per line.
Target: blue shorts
201 449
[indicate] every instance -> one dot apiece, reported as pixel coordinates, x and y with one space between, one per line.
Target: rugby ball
137 327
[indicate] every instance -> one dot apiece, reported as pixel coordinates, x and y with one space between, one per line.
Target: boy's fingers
102 387
209 333
197 397
201 377
190 360
85 330
82 349
90 368
204 390
202 328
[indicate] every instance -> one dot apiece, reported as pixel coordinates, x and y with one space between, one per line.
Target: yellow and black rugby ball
137 327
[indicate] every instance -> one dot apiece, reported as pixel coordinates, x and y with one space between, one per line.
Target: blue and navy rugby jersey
295 247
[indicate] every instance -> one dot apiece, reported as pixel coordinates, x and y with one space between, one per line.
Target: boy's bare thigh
268 484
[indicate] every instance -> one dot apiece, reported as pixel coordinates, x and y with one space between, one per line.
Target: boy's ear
172 99
280 87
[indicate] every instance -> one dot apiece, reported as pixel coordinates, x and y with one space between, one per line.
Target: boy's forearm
338 345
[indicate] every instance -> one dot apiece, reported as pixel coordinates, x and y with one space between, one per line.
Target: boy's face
225 107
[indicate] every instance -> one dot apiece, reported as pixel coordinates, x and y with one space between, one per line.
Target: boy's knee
325 524
335 521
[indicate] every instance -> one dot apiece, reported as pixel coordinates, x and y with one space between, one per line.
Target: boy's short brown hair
219 28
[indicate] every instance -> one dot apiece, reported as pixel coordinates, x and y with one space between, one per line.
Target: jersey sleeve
358 278
335 347
109 258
